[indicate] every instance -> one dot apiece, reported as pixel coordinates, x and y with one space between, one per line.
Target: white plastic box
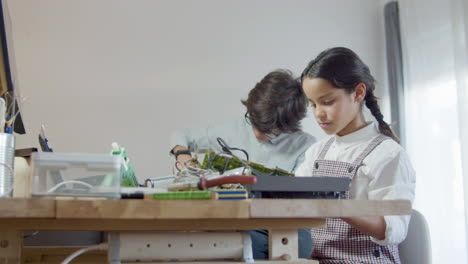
75 174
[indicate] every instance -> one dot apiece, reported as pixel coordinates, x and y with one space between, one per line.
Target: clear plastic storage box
75 174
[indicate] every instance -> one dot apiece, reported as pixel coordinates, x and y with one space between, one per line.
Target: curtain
436 107
395 68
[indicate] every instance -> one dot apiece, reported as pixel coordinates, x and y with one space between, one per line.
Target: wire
12 112
245 164
31 234
102 246
151 184
66 182
227 149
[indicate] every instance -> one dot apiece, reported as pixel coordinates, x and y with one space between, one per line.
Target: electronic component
299 187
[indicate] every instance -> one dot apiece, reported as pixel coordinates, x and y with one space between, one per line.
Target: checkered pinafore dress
340 243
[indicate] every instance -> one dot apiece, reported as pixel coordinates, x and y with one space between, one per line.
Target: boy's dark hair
345 70
277 102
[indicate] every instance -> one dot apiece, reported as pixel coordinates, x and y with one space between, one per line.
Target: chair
416 248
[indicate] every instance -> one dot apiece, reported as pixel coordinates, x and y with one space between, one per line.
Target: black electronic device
299 187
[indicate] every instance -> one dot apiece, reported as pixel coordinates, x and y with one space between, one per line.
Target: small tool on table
204 183
44 143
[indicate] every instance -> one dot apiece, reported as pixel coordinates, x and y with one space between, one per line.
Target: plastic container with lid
76 174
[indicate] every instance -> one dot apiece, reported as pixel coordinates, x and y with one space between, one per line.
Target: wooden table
282 217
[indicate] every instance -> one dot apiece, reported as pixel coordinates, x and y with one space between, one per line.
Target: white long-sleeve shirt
285 151
386 174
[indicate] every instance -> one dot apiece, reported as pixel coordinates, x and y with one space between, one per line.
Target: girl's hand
182 161
373 226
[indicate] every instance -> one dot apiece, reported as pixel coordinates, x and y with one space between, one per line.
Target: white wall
95 72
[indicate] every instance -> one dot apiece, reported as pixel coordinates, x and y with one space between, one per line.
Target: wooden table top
198 209
51 214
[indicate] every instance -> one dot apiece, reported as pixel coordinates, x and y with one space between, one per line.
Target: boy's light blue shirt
285 151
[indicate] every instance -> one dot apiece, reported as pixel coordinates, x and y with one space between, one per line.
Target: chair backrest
416 249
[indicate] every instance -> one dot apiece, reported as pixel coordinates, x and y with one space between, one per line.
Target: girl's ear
360 92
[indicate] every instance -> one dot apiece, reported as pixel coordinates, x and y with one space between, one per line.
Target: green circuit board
222 163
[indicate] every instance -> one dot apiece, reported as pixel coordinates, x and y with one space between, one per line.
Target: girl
337 84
